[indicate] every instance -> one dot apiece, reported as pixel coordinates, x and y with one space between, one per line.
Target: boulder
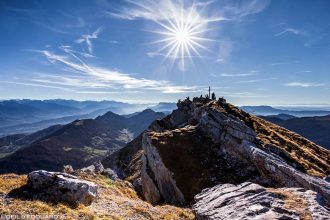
252 201
68 169
62 187
96 167
111 174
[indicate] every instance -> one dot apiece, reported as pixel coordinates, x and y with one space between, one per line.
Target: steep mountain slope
316 129
206 142
78 143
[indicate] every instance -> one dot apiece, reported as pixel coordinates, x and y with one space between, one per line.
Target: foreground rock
252 201
62 187
115 200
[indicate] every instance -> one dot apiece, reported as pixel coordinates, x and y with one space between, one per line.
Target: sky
252 52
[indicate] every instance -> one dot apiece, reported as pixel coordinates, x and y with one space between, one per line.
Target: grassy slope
313 159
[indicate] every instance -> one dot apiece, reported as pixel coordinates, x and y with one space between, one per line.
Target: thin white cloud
237 10
244 95
290 30
36 85
163 9
303 84
53 28
87 38
283 63
78 24
19 10
158 10
225 50
256 80
69 81
97 92
251 73
98 77
304 71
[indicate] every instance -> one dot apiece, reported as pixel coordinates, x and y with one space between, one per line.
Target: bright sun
182 34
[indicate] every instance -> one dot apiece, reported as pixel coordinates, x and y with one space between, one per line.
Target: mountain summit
208 142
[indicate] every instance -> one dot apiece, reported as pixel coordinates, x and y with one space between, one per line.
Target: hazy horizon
137 102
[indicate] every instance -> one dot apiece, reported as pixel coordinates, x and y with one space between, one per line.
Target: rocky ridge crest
206 142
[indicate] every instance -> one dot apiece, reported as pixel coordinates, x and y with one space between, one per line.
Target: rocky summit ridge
207 143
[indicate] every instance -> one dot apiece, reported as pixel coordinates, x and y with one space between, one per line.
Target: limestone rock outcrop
252 201
62 187
206 142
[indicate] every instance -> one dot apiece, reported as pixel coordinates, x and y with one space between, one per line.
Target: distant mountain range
27 116
316 129
166 107
268 110
78 143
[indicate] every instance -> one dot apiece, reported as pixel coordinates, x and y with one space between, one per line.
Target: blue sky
249 51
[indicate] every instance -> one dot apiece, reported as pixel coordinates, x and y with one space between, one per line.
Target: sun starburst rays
182 34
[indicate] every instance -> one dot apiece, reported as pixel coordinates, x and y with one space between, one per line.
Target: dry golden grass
312 158
117 200
293 201
9 182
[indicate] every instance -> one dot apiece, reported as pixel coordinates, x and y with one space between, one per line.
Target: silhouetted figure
213 96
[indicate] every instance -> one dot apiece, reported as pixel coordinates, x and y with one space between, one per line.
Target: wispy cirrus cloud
250 73
256 80
159 10
304 71
96 77
237 10
303 84
291 31
283 63
244 95
306 37
87 38
163 9
35 85
225 51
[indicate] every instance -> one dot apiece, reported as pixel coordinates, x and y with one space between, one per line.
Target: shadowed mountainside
78 143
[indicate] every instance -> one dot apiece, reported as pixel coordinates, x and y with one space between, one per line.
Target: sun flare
182 34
